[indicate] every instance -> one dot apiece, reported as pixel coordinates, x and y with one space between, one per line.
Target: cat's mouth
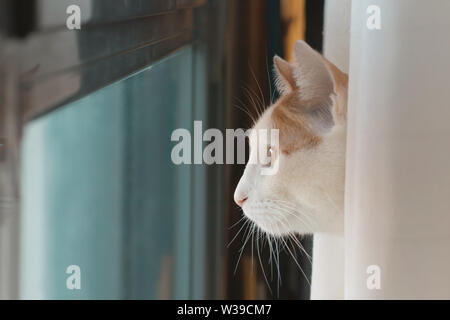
267 219
279 218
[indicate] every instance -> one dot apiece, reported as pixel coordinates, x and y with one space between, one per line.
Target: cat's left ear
284 71
321 85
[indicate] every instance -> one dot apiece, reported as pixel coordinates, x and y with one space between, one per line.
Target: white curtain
398 151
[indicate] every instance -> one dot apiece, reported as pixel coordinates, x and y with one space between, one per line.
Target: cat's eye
269 155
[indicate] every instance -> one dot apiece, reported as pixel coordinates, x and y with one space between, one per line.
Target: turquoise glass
100 191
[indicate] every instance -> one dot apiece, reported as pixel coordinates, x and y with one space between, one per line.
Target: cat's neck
328 266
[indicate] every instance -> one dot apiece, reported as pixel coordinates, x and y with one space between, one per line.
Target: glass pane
101 192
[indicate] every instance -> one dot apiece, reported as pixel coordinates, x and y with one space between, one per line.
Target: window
95 109
101 192
99 189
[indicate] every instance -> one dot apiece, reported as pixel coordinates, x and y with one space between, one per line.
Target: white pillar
398 151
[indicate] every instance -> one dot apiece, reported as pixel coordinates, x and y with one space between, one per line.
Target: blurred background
86 176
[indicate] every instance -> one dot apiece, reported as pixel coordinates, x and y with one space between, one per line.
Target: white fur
306 195
309 182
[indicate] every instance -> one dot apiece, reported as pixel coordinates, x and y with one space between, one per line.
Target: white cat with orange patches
306 195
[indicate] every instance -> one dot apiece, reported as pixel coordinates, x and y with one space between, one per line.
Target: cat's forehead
264 122
287 116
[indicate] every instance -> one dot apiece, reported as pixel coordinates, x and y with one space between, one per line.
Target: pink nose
240 202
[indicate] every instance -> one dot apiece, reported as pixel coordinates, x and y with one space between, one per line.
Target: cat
306 195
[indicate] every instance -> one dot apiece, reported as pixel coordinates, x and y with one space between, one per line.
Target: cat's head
306 194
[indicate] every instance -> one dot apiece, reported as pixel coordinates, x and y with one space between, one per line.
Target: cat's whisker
296 243
291 205
263 102
292 237
246 112
301 219
252 102
278 264
243 106
276 259
249 229
253 233
257 103
235 236
300 246
237 222
304 218
260 104
278 219
270 257
296 262
292 210
261 264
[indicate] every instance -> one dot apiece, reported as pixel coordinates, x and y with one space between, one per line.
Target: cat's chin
267 225
276 222
271 230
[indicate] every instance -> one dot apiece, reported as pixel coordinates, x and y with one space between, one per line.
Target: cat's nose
240 200
243 188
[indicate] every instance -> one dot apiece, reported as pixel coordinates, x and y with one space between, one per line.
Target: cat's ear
318 82
312 75
285 80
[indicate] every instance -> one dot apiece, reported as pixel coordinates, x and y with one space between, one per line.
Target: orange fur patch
294 131
288 114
